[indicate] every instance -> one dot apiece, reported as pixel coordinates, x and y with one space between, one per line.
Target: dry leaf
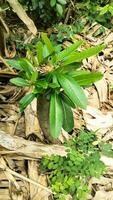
102 195
96 120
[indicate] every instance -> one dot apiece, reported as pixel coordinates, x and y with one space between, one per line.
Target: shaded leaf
69 68
67 100
68 121
55 115
84 78
39 49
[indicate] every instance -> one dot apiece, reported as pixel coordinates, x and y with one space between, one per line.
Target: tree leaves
59 9
52 3
63 2
55 115
73 90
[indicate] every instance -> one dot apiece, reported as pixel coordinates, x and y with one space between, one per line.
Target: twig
18 9
68 14
5 168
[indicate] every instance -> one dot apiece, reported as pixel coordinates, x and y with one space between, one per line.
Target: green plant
45 12
58 5
64 32
56 75
106 8
99 11
70 175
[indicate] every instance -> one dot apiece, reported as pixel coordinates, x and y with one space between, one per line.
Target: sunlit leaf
63 54
52 3
26 65
78 56
14 64
63 2
59 9
73 90
47 43
20 82
26 100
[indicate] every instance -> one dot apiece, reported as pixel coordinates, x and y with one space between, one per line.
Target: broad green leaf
55 115
39 49
14 64
73 90
26 100
52 3
47 43
84 78
59 9
68 121
63 2
26 65
67 100
78 56
20 82
63 54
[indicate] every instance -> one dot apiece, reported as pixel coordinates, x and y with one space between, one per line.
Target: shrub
55 73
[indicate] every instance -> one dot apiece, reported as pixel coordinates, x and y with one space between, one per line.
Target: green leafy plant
59 5
70 175
56 75
66 32
45 12
106 8
99 11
